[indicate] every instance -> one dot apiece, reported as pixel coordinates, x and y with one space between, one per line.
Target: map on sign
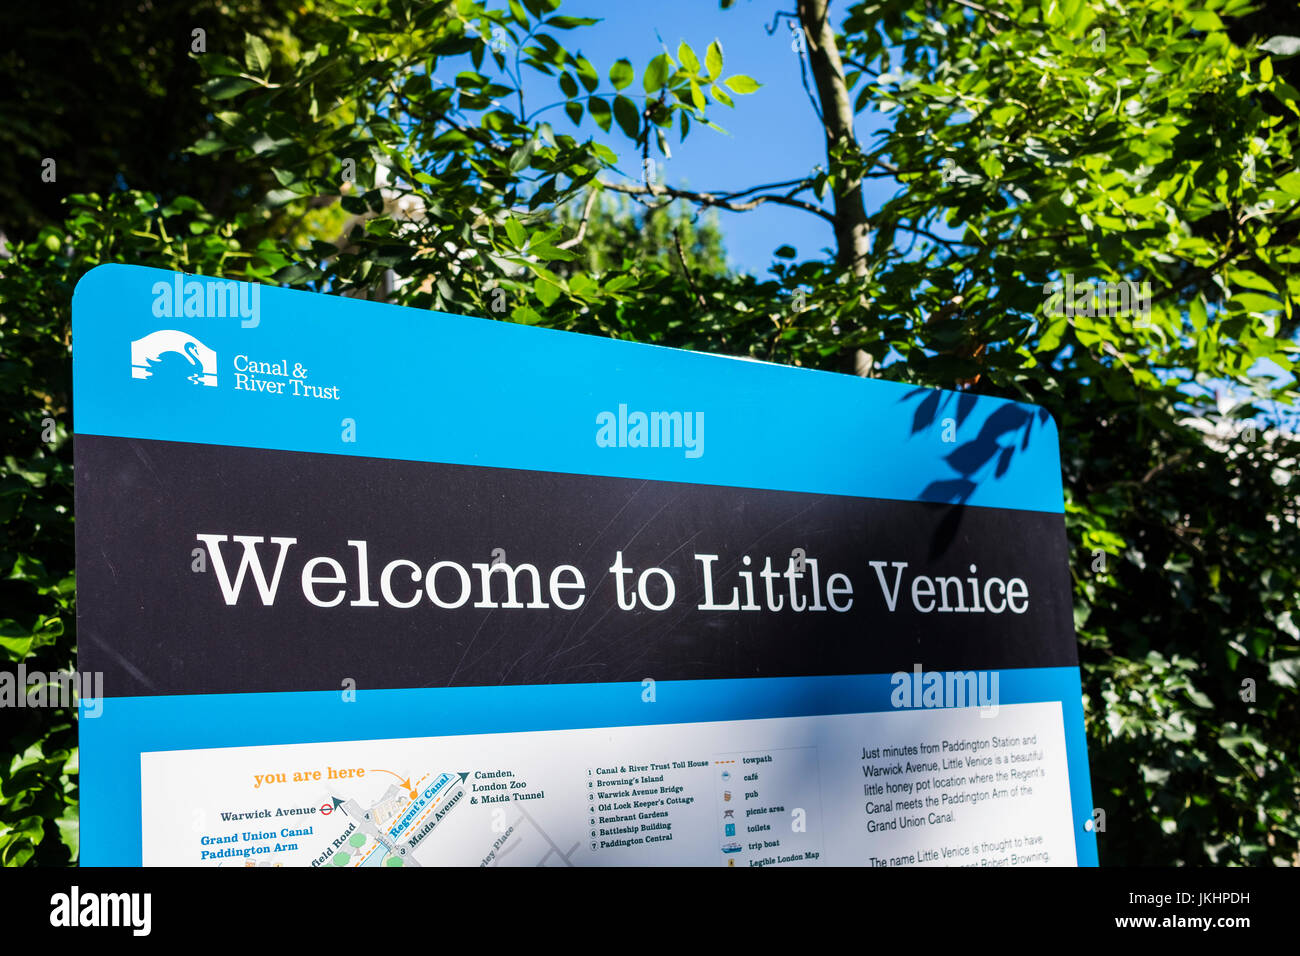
346 833
382 834
627 605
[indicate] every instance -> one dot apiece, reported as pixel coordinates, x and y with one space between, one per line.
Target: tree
109 92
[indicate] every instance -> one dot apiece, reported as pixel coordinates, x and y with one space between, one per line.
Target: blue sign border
474 387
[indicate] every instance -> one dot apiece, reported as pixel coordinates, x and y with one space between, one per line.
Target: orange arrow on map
406 783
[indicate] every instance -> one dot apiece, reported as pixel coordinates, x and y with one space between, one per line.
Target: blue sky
771 135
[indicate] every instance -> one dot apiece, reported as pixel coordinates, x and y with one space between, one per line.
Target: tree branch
582 226
690 282
862 68
987 12
803 77
802 184
926 234
720 200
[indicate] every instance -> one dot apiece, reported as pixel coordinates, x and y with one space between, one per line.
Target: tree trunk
851 225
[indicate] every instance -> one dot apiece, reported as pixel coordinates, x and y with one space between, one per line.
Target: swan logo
148 352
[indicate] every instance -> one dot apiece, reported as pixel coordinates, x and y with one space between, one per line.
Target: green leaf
517 233
16 641
210 145
583 285
621 73
1281 46
522 156
1250 280
1254 302
569 23
697 96
70 832
587 74
1199 698
1051 338
297 273
1285 672
663 143
224 87
257 56
600 112
628 116
620 282
713 60
741 84
1289 183
686 56
656 74
546 291
546 251
218 64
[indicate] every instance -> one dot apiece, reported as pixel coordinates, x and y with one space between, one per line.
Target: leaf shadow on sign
968 458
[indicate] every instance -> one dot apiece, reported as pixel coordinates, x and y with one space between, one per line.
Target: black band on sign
400 574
